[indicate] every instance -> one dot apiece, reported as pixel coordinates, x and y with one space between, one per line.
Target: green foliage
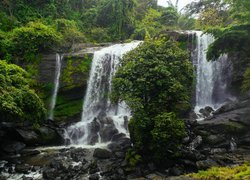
18 102
209 18
155 80
157 76
168 132
132 158
81 67
67 108
240 11
118 15
70 32
237 173
246 82
232 39
149 24
27 41
100 35
7 22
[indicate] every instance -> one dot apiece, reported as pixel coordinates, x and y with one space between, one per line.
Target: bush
18 103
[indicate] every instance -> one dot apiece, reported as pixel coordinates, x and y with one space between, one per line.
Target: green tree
154 79
18 103
118 15
27 41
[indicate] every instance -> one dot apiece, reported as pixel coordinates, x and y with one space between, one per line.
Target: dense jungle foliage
155 79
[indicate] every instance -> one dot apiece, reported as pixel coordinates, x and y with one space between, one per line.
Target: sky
182 3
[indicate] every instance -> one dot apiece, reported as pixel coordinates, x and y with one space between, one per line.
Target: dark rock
30 152
190 166
225 108
94 128
196 142
192 155
114 147
6 125
206 112
118 137
218 151
94 177
186 140
13 147
27 178
215 139
49 136
50 173
154 176
175 171
205 164
120 154
23 168
35 168
126 122
125 143
102 153
151 167
193 115
107 132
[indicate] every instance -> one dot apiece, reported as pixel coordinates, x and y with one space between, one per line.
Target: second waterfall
212 78
100 119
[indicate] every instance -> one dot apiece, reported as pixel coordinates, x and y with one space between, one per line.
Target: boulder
215 139
195 143
175 171
206 112
30 152
23 168
118 137
13 147
107 132
102 153
28 136
94 177
49 136
205 164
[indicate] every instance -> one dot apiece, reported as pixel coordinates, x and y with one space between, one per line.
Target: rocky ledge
222 139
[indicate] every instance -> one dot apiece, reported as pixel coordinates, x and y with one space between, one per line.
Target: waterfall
100 119
56 85
211 76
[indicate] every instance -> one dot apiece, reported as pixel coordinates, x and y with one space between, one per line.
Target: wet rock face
102 153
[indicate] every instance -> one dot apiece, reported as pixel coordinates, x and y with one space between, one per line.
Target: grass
224 173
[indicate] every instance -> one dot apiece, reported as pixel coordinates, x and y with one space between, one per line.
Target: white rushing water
212 76
56 85
96 102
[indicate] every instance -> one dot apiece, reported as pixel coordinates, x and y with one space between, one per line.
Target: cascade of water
97 105
56 85
212 77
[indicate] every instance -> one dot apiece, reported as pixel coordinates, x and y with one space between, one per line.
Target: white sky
182 3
